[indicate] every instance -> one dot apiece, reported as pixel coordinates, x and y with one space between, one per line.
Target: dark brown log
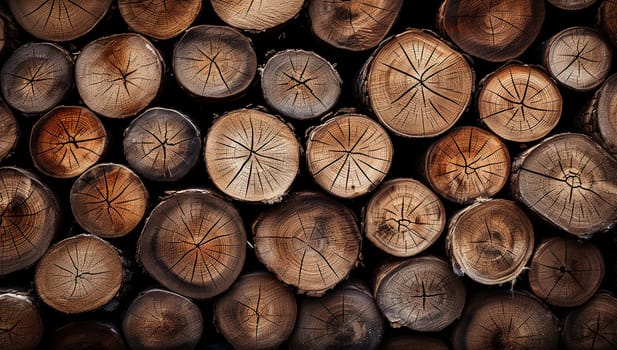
159 319
413 342
256 16
404 217
308 241
9 32
592 326
519 102
600 118
578 58
422 294
9 132
354 25
465 164
193 243
91 335
252 156
300 84
21 326
571 5
345 318
506 320
349 155
159 19
490 241
79 274
60 20
66 141
608 19
109 200
36 77
162 144
495 31
416 84
570 181
119 75
564 272
214 62
29 219
257 312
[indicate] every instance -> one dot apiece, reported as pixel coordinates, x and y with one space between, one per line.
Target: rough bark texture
159 19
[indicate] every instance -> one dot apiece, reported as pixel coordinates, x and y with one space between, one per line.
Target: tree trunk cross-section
193 243
354 25
308 241
592 326
608 19
258 312
58 20
404 217
93 335
349 155
416 84
66 141
79 274
119 75
9 133
159 19
256 15
572 5
214 62
252 156
21 326
600 119
495 31
570 181
519 103
565 272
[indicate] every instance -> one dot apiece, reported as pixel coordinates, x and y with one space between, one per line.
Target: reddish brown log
592 326
92 335
21 325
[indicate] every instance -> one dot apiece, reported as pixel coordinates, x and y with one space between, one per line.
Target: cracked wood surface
608 20
599 120
21 326
159 19
592 326
256 15
9 133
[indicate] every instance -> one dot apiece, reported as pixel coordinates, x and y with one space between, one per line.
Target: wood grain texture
87 335
9 132
159 19
592 326
599 120
21 325
571 5
256 15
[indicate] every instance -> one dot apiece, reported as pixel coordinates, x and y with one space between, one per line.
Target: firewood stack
308 174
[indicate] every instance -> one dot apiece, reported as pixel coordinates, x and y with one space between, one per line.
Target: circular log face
417 85
91 335
21 326
214 62
159 19
66 141
308 241
606 113
119 75
519 103
193 243
58 20
592 326
36 77
256 15
572 4
79 274
9 134
404 217
608 19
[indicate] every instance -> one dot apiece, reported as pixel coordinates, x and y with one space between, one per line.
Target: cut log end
79 274
91 335
349 155
159 19
21 326
9 133
592 326
257 16
608 20
571 5
599 120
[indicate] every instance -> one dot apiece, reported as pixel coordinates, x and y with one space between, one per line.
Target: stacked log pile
308 174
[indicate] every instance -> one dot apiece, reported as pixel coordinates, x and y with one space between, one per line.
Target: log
67 141
599 120
519 102
117 76
300 84
162 144
87 335
21 325
490 241
506 320
564 272
159 19
214 62
404 217
109 200
354 25
193 243
578 58
416 84
592 326
571 5
61 20
465 164
569 181
79 274
256 17
36 77
308 241
349 155
9 32
411 342
608 20
496 31
252 156
29 218
257 312
9 133
160 319
422 294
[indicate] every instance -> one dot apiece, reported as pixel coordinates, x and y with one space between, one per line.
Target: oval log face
159 19
592 325
21 322
256 16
